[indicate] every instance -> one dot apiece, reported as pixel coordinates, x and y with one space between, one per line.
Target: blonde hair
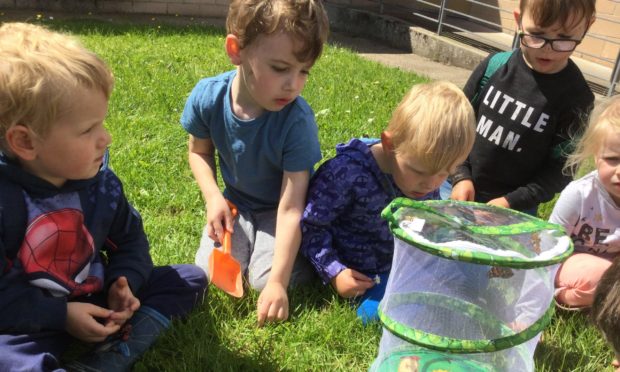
435 124
546 13
605 120
40 71
305 20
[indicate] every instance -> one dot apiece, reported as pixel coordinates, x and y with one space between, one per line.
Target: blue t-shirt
253 154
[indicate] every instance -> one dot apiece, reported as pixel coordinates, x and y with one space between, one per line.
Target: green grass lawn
156 66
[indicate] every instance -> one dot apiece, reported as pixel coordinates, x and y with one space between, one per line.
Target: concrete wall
607 26
595 49
194 8
600 51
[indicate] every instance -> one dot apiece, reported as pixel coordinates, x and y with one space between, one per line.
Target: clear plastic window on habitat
471 286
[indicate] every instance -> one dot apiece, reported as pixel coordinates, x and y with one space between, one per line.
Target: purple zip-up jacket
342 225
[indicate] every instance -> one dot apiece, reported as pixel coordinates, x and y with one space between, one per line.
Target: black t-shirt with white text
526 125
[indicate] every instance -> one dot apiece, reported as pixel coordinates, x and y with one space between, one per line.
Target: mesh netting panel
471 280
462 300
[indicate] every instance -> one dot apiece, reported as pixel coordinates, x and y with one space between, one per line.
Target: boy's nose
294 83
434 182
106 138
547 47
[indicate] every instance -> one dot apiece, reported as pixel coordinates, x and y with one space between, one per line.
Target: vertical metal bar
381 7
614 77
442 11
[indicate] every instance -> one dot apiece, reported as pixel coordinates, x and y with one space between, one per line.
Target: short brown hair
435 124
605 312
40 71
305 20
546 13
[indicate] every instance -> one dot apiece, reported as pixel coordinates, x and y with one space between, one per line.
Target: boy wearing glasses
529 110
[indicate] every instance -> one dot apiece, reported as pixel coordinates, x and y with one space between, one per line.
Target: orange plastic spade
224 270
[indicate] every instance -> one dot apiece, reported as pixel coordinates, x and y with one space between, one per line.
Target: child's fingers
218 231
211 232
276 313
361 277
283 313
120 317
121 282
261 313
230 222
134 304
98 311
229 219
366 285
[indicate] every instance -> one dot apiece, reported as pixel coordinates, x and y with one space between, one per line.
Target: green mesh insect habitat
471 286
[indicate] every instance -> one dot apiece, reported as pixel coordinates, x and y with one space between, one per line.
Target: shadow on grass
553 358
203 341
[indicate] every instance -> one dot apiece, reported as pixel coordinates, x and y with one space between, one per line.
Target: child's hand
499 202
272 304
463 190
82 322
350 283
122 301
218 212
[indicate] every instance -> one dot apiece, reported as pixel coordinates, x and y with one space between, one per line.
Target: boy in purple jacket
343 235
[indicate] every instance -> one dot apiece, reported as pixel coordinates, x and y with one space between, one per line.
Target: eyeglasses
538 42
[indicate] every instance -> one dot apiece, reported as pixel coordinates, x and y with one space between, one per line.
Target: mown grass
156 66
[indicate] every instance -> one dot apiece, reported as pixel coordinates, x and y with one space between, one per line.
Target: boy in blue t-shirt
266 140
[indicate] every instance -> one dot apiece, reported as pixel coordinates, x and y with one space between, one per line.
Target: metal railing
445 17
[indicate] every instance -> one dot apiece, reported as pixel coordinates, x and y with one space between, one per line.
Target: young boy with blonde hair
266 140
74 258
343 235
529 110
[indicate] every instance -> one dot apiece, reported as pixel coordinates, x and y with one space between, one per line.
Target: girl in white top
589 209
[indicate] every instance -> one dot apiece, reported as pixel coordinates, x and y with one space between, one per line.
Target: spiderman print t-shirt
58 251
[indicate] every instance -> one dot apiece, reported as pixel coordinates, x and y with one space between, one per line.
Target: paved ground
392 57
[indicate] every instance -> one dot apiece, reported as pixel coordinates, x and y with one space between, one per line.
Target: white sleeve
567 209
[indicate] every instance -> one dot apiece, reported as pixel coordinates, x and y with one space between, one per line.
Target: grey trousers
253 244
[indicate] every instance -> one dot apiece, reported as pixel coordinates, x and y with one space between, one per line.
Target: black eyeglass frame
521 33
547 41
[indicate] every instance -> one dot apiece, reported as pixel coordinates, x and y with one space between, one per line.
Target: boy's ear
19 140
591 21
233 49
517 15
386 142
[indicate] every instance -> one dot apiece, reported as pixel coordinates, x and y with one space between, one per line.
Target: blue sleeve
195 117
329 196
302 149
127 245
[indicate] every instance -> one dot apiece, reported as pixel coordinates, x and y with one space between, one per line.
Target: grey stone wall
194 8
